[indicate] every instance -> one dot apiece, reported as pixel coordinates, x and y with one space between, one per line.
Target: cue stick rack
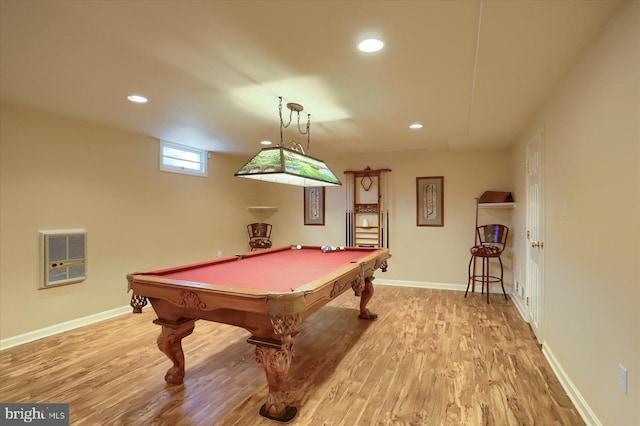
367 216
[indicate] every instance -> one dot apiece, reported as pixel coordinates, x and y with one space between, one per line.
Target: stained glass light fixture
289 165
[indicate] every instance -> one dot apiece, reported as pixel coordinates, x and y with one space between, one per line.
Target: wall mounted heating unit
62 257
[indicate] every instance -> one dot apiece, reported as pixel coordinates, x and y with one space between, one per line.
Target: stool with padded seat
490 243
259 235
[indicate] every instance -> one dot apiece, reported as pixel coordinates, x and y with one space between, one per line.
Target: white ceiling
472 72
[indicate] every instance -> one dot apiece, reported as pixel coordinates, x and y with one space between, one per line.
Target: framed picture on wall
430 201
314 205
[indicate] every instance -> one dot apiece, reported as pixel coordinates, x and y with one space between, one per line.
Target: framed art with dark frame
314 205
430 201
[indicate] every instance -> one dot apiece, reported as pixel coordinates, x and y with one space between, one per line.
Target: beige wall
58 173
592 277
421 255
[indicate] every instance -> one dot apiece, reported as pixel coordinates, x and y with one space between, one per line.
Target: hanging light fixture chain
280 111
282 125
297 108
308 133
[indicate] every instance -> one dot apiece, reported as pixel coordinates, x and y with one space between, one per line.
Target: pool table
269 293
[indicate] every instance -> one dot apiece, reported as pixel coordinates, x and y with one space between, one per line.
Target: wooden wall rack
367 215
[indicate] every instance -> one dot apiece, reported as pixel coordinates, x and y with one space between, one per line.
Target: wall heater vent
63 257
519 287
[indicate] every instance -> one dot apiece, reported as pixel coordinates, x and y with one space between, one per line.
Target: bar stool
490 243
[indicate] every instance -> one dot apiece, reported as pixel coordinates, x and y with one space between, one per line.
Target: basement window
178 158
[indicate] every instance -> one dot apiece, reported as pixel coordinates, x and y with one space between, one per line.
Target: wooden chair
490 243
259 235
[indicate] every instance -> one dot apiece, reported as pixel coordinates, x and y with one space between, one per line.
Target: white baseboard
421 284
62 327
435 286
581 405
521 307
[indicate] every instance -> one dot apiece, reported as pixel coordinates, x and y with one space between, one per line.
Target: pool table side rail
220 260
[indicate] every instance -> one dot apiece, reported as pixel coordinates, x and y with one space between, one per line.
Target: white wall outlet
622 378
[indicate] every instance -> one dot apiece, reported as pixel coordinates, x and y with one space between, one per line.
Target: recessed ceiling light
370 45
137 98
415 126
265 142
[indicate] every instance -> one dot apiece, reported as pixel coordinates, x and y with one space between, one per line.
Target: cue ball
298 246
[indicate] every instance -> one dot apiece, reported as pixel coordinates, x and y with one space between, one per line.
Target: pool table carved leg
137 303
276 360
170 342
365 295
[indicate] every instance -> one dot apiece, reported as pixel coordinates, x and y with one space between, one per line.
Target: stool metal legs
485 277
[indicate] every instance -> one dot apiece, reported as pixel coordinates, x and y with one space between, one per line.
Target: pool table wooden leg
366 295
137 303
170 342
276 360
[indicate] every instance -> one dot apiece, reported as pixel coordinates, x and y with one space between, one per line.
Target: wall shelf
497 205
262 208
262 213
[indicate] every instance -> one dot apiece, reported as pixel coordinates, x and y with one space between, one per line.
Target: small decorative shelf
262 208
497 205
262 213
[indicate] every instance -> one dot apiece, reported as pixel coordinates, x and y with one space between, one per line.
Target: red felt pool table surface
277 270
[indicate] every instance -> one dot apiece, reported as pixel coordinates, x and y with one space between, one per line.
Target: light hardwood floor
432 358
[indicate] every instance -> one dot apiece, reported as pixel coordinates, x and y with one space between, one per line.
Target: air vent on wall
62 257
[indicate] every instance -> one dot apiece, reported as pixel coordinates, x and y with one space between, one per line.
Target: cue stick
380 213
351 207
352 219
387 229
350 189
387 202
381 229
349 225
349 210
346 229
346 212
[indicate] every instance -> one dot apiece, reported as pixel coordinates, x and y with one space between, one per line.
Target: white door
535 234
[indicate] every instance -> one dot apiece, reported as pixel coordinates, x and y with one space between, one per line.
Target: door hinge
528 234
527 301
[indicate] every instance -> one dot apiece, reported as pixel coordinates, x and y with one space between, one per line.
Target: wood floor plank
433 358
